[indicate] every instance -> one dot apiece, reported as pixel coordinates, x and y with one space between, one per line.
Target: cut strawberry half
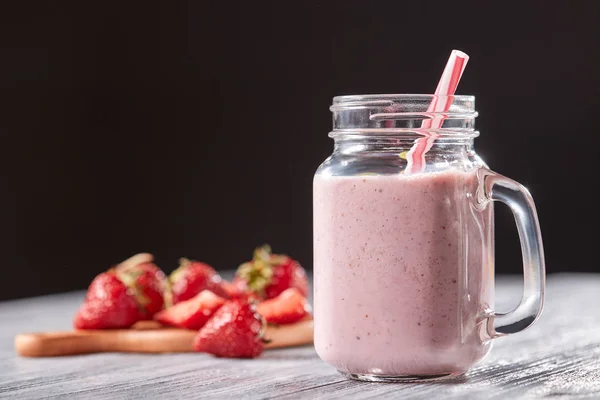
234 289
192 313
289 307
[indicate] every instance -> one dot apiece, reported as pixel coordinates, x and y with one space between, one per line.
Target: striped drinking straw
441 103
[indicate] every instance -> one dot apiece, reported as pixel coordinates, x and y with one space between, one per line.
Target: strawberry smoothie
403 273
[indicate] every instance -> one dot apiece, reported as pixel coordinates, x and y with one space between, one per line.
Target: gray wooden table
559 357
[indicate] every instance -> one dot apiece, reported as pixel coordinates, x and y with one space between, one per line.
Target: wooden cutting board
144 337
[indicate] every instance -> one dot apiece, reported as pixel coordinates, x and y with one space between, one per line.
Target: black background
193 129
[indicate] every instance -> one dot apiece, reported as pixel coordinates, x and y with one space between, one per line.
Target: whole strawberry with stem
191 278
269 274
148 283
109 304
235 330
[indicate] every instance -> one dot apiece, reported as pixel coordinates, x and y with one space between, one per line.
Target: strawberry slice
235 330
289 307
233 289
192 313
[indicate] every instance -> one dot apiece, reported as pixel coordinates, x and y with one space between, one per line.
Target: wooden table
559 357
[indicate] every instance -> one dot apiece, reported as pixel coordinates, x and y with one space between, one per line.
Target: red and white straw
441 103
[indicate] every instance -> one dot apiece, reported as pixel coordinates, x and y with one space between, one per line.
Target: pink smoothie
403 269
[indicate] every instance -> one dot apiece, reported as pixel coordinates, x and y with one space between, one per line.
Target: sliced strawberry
191 278
233 289
289 307
192 313
235 330
108 304
270 274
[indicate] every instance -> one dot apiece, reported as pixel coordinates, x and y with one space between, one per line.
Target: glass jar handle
500 188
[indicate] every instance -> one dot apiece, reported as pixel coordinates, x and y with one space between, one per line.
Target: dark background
193 129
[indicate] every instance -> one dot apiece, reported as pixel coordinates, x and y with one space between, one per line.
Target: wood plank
557 357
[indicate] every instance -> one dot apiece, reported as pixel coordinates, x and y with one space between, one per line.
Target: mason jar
404 241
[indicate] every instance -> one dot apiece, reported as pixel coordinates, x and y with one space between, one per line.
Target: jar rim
399 96
417 102
404 113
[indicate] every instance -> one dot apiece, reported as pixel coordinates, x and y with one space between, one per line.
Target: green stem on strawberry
129 278
258 272
167 293
178 272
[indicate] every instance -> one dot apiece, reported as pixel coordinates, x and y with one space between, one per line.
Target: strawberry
235 330
290 306
109 303
192 313
235 289
191 278
148 283
270 274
